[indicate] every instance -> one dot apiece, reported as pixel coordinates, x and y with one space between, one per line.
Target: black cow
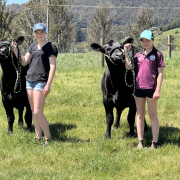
115 92
12 98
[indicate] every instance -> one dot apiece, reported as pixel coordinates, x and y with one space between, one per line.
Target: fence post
102 55
169 46
1 3
48 19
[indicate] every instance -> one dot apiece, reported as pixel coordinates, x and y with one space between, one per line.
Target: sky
16 1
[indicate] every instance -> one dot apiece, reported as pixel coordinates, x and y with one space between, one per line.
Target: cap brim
41 30
144 38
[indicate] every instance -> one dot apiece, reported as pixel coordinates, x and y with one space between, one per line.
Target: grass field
78 149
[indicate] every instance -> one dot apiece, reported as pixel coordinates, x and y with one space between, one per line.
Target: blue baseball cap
40 26
147 34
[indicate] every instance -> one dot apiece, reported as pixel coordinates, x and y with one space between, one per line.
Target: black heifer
115 92
11 99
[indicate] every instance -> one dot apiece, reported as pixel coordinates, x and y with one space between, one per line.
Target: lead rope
131 63
17 69
109 57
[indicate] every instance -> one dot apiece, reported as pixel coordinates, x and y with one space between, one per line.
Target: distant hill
174 32
15 7
162 40
124 14
166 10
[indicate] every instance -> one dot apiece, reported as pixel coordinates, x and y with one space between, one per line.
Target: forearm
15 50
128 64
24 62
127 61
51 75
159 82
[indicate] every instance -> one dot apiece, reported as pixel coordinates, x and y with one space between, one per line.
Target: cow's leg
10 118
131 119
20 120
145 125
117 119
9 113
28 117
109 120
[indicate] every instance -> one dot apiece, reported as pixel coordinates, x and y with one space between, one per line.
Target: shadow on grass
126 133
58 132
167 135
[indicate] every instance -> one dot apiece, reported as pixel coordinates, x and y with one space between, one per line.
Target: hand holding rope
131 63
18 69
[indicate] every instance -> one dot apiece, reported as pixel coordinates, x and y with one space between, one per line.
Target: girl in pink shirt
149 65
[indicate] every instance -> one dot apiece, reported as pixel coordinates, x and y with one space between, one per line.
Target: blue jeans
37 85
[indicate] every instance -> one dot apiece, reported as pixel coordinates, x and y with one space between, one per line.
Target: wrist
48 84
15 49
126 55
158 90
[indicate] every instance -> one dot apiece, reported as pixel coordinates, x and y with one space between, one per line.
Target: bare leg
39 101
152 109
37 126
140 105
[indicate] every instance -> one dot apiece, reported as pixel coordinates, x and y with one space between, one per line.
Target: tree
80 33
100 24
6 19
144 19
60 22
33 13
116 33
61 25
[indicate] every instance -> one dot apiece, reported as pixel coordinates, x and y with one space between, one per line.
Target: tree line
73 28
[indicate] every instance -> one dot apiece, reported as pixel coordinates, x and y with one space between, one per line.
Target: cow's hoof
29 129
115 127
107 136
131 134
10 132
20 123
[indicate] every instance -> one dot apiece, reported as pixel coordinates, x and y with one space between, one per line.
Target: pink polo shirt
146 68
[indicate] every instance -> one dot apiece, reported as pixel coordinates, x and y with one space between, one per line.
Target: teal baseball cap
147 34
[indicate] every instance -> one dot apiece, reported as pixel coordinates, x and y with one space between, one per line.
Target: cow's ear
20 40
128 40
97 47
121 46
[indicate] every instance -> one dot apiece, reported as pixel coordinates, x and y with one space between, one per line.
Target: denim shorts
143 93
37 85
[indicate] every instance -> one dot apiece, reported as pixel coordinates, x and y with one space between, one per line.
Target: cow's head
113 50
5 47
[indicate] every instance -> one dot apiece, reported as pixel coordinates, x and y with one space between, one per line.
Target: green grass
76 116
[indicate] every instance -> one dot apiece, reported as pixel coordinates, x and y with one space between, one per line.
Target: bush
160 32
175 32
81 47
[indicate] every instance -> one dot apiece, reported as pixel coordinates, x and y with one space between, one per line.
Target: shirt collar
152 52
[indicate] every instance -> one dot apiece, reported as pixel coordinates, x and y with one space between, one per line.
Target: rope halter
17 68
131 63
110 53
